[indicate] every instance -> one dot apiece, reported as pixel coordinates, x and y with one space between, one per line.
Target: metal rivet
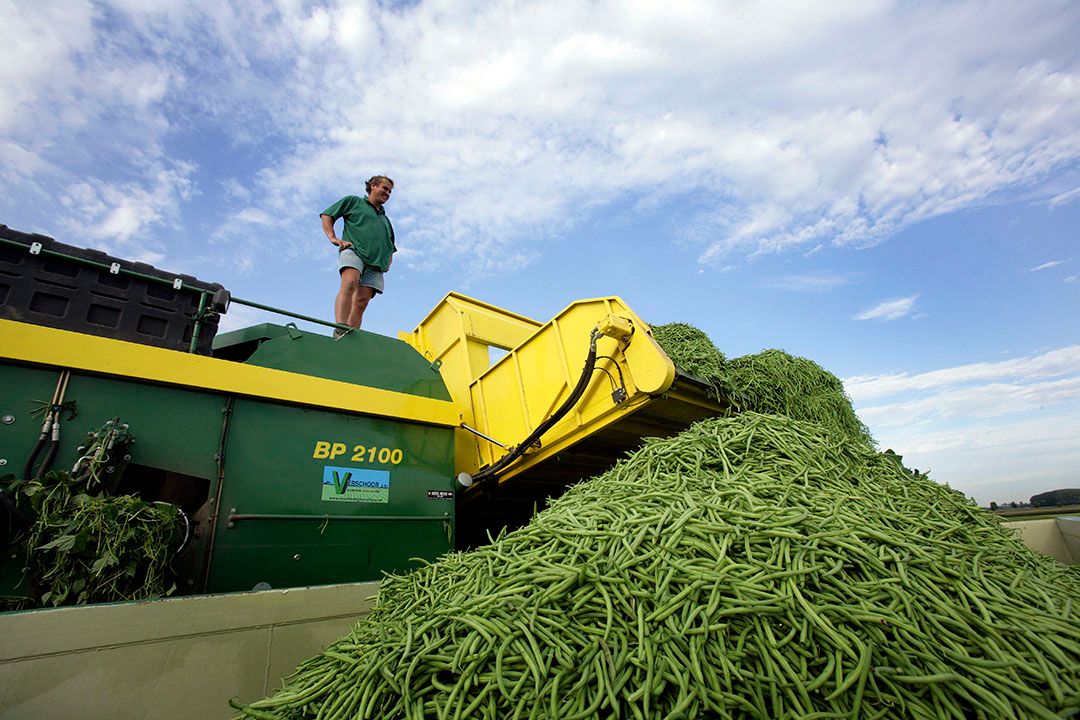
296 556
3 462
8 419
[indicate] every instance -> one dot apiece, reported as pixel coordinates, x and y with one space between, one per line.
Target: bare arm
328 229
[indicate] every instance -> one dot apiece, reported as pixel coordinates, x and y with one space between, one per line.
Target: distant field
1047 512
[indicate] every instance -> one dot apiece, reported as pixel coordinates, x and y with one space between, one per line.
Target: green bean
751 567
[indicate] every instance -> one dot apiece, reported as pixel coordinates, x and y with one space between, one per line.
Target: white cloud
988 400
889 309
1064 198
254 216
19 165
241 316
995 460
1048 265
240 239
121 214
813 282
234 189
1071 279
1002 430
39 68
797 126
1054 363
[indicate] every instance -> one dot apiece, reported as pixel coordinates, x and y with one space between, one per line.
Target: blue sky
891 189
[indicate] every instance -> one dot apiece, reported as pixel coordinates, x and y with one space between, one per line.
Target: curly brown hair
374 179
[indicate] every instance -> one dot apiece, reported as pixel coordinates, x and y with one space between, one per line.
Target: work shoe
339 333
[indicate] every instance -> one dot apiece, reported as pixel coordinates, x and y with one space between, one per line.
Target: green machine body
298 459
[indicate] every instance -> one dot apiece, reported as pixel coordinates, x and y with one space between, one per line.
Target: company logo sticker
440 495
355 485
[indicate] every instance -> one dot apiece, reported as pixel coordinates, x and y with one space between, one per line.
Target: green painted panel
22 390
175 429
392 499
359 357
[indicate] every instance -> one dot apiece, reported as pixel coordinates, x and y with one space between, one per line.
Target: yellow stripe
47 346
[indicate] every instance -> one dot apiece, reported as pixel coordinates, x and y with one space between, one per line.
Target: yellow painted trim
513 396
451 298
62 348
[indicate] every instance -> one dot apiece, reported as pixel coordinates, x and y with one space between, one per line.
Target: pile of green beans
751 567
771 381
690 349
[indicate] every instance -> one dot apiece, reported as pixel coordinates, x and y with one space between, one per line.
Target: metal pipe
476 432
198 324
298 316
215 510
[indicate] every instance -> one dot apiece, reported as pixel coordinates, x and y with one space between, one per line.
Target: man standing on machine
365 251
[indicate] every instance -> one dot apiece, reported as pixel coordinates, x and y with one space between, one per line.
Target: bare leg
344 302
361 297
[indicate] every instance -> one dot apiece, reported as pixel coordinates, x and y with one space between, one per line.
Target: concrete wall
175 658
1070 533
1044 536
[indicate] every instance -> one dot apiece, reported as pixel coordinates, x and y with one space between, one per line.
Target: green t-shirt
367 228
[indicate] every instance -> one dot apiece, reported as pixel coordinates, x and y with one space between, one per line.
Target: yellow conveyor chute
634 390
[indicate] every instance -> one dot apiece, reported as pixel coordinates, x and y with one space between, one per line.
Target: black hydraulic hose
575 395
28 468
52 422
54 446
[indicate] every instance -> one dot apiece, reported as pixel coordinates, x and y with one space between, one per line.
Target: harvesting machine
301 460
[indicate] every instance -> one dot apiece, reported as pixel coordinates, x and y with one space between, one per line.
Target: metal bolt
3 462
232 511
296 556
8 419
231 525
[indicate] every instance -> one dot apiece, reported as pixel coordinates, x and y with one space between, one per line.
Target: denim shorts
370 276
